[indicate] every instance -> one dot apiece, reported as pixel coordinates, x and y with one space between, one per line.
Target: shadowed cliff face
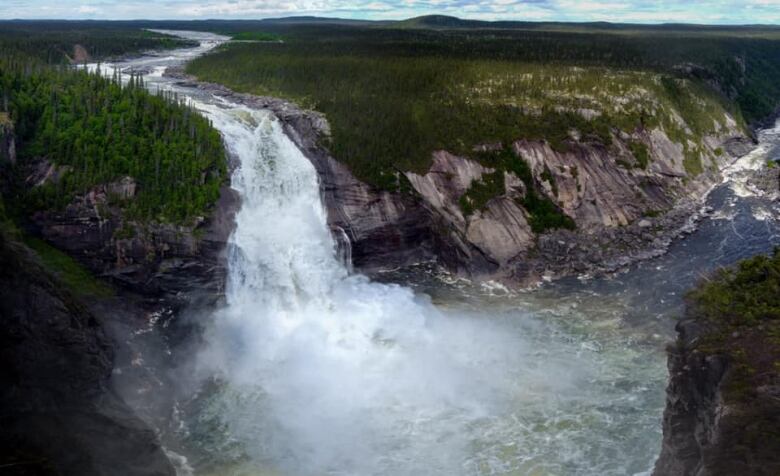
56 408
623 211
722 412
175 262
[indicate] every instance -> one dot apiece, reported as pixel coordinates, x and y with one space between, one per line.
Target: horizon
709 12
358 21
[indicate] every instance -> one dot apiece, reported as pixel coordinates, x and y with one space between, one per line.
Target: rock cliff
57 411
624 209
173 262
723 400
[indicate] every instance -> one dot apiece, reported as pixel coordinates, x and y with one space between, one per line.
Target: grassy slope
74 276
67 270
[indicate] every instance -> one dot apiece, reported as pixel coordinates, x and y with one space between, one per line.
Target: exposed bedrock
177 263
57 412
622 211
714 423
7 141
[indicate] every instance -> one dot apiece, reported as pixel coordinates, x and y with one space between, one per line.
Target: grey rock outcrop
173 262
707 432
57 412
623 211
7 141
44 172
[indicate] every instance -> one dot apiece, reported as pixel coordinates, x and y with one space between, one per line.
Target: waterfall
311 369
335 371
344 247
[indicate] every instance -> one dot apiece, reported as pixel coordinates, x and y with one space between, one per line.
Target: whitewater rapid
311 369
321 371
338 374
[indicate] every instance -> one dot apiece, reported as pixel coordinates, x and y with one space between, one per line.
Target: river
310 369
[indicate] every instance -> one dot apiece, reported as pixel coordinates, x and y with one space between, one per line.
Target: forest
394 93
99 127
740 307
52 42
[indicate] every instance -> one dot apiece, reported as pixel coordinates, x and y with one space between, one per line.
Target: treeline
743 61
52 42
99 130
394 96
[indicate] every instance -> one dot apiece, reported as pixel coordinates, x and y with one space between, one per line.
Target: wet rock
57 411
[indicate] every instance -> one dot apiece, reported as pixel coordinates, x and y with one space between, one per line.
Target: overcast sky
635 11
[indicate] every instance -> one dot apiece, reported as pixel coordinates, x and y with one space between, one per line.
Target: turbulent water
310 369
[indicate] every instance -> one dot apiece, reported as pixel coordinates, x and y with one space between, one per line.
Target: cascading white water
324 372
337 373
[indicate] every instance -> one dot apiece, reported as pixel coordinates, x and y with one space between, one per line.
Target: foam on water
352 375
321 371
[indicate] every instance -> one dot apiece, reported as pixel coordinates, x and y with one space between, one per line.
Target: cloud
88 10
702 11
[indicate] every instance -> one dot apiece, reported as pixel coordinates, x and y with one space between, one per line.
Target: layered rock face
722 413
172 262
57 412
623 212
709 431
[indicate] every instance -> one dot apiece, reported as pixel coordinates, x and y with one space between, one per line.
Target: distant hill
444 22
300 20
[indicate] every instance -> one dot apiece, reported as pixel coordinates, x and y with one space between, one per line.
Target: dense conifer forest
97 128
394 92
53 42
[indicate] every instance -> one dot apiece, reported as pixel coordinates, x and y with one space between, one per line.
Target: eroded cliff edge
58 412
627 200
722 412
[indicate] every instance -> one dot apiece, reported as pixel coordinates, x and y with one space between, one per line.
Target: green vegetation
67 270
395 95
256 36
747 294
482 191
53 42
692 162
98 131
640 153
543 214
102 131
741 307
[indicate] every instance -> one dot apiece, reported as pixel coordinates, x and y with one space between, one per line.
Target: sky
631 11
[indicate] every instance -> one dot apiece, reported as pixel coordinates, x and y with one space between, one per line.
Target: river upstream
311 370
